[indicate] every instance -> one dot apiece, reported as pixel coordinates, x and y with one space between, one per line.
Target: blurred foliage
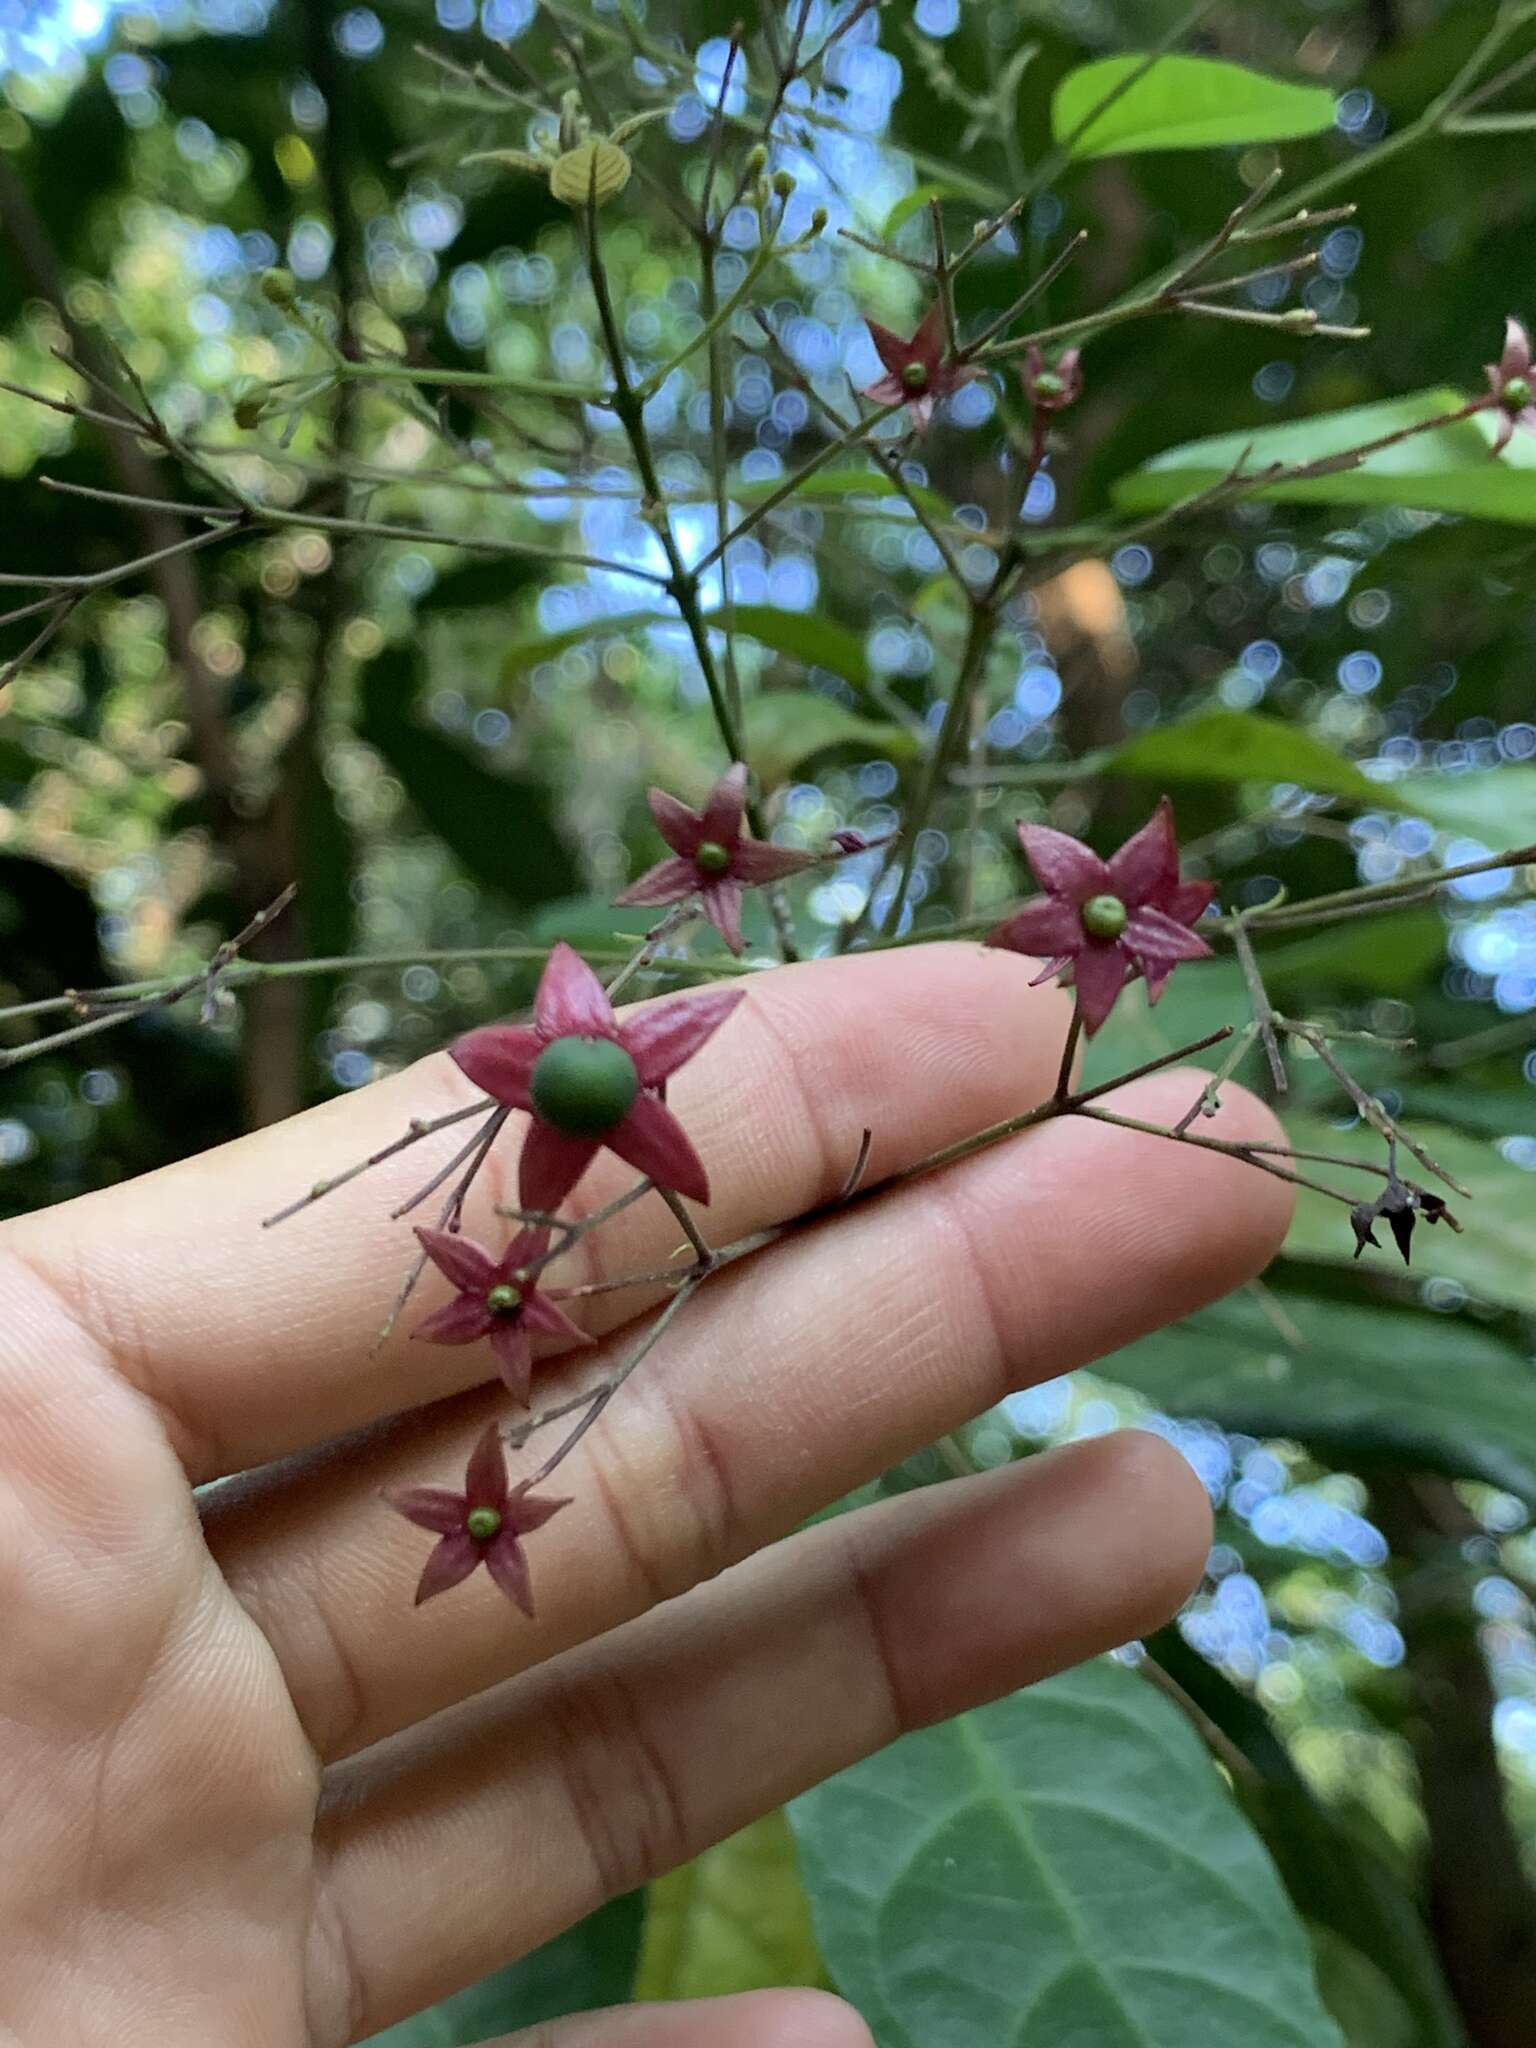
448 742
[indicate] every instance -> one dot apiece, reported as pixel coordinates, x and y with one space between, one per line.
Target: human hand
232 1819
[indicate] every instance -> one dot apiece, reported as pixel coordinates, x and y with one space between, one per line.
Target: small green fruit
583 1086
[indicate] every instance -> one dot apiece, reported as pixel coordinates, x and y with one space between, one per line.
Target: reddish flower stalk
1108 921
714 857
1513 384
921 370
497 1298
483 1525
590 1082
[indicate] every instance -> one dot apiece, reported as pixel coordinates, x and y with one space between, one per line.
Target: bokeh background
449 750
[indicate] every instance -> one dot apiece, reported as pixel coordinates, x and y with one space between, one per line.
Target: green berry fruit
504 1298
583 1086
1517 393
712 858
1104 917
482 1523
279 287
915 376
1049 385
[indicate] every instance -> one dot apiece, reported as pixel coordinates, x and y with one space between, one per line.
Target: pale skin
229 1821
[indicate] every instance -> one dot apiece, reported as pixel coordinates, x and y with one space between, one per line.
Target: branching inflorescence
581 1077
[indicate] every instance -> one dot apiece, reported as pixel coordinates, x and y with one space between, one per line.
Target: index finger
256 1343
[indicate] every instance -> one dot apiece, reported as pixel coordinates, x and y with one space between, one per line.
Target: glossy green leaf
1241 746
591 1965
787 728
805 637
1357 1375
1442 469
501 828
1064 1865
1180 103
735 1919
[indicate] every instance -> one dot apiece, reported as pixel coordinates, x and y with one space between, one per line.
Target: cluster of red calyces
921 371
587 1083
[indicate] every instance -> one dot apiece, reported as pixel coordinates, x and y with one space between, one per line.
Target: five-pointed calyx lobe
1049 387
1108 921
1400 1204
714 857
496 1298
485 1524
590 1082
1512 380
921 370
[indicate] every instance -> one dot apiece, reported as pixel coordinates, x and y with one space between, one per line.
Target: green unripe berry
1104 917
248 412
915 377
482 1523
583 1086
279 287
504 1297
1517 393
712 858
1049 385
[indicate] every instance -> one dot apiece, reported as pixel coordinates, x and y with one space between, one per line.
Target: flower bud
819 220
278 287
757 161
248 411
783 183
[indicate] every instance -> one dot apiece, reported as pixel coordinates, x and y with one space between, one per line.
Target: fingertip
1156 1489
802 2019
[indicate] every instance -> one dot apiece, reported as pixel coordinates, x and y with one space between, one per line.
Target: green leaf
524 655
1496 806
1356 1375
493 580
735 1919
591 1965
1443 469
1180 103
913 202
786 728
1361 1997
805 637
1382 956
1242 746
1062 1866
500 828
1494 1258
847 483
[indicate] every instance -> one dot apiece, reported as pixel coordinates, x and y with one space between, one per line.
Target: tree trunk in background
281 1015
1480 1903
